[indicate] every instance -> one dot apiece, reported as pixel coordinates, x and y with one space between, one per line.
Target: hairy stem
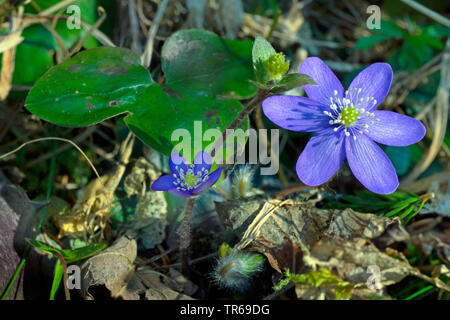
184 233
256 101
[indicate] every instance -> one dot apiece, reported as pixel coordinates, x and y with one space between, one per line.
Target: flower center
349 114
189 180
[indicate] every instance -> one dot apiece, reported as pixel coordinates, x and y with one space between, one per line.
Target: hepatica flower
347 125
188 180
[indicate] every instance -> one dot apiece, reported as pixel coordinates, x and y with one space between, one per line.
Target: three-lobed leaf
203 72
92 86
199 61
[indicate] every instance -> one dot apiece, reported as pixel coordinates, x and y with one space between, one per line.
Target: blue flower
347 125
188 180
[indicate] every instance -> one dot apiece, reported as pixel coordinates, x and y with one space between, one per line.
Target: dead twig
97 24
58 6
134 26
146 57
428 12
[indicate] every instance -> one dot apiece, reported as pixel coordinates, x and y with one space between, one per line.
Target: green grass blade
13 279
421 291
57 278
41 220
415 212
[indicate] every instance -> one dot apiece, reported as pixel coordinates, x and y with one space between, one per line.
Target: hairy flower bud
241 186
234 269
276 66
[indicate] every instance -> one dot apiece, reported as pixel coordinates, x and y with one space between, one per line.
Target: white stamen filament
354 119
189 180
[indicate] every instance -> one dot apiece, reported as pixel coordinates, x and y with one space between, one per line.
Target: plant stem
65 277
184 233
274 24
260 125
256 101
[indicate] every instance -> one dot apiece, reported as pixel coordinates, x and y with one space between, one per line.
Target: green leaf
83 252
38 45
155 125
343 290
262 50
436 31
57 278
322 278
44 247
101 83
69 255
370 41
397 209
412 215
389 29
200 61
94 85
413 53
34 56
431 41
392 29
291 81
407 211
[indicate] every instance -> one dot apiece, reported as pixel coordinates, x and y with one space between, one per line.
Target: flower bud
242 183
234 270
276 66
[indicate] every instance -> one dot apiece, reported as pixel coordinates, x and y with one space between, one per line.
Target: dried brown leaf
111 268
301 238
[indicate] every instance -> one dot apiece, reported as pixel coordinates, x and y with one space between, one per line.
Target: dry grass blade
134 26
146 57
428 12
10 41
36 19
8 59
97 24
441 118
253 229
58 6
7 72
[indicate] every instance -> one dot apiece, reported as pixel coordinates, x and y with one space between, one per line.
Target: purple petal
163 183
213 177
176 160
370 165
202 160
296 113
326 81
321 157
374 81
395 129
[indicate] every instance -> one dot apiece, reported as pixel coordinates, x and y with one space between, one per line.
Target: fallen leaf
112 268
297 236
